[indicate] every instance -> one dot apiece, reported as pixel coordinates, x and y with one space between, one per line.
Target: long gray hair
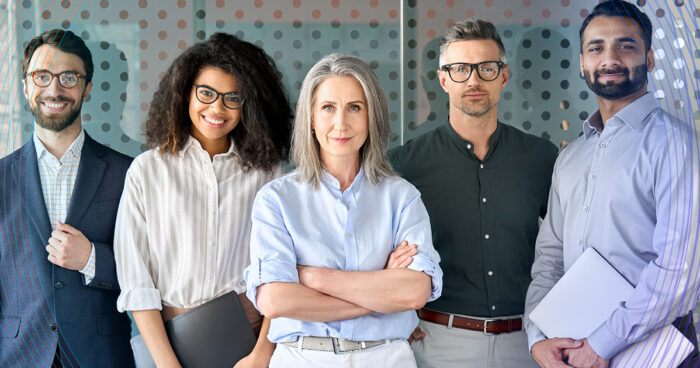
305 148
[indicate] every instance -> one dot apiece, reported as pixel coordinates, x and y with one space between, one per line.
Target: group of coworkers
431 255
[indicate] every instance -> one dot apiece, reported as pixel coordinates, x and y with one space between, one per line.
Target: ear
580 65
25 89
442 76
87 90
505 75
650 59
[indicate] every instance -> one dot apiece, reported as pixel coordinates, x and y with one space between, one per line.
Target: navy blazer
42 305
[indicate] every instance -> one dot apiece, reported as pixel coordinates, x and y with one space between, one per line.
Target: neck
343 169
608 108
476 129
215 148
58 142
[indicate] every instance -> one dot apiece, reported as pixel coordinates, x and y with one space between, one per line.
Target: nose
53 89
340 121
610 58
474 79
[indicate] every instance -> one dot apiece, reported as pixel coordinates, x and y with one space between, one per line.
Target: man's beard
55 122
477 111
613 91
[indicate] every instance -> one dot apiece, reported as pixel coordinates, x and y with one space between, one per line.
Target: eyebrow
334 103
214 89
620 39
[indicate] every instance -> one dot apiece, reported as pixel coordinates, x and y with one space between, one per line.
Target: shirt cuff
605 343
139 299
428 263
263 272
89 270
534 335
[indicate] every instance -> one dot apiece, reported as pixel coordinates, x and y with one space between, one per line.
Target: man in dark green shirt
485 184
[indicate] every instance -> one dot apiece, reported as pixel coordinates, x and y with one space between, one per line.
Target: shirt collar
73 151
633 115
330 181
463 143
193 143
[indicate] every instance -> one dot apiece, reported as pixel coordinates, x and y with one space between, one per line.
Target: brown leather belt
488 327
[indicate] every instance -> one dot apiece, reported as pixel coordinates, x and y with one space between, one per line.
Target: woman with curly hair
219 126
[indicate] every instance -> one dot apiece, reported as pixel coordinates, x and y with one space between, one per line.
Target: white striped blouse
183 227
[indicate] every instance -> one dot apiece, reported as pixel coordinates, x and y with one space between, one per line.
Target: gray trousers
445 347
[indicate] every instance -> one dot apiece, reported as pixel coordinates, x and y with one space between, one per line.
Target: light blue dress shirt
354 230
630 191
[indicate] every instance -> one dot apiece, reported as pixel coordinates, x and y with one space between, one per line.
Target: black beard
635 81
53 121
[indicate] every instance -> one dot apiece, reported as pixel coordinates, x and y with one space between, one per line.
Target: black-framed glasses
486 70
67 79
208 95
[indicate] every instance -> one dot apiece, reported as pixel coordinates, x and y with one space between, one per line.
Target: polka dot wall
133 42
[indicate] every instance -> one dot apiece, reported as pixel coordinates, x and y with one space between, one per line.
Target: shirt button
493 307
211 244
469 146
490 273
592 176
338 199
602 145
481 166
483 199
486 236
53 326
579 242
349 235
58 285
585 208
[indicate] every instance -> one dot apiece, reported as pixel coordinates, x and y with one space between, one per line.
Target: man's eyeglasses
208 95
43 78
486 70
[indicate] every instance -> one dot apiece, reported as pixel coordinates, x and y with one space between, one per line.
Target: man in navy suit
59 199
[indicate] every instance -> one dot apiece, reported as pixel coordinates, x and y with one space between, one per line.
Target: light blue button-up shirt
630 191
354 230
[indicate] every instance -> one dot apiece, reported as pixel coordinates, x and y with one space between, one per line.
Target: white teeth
54 105
214 121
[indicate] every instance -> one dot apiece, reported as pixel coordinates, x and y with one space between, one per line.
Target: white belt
333 344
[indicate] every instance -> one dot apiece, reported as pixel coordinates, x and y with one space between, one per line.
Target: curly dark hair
262 136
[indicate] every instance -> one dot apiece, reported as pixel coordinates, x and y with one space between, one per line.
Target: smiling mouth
54 107
213 121
340 140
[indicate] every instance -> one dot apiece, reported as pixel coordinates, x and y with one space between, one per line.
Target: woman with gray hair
322 236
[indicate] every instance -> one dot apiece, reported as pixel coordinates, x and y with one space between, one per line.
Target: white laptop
586 296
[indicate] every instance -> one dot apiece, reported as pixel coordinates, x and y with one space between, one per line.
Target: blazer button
53 326
58 285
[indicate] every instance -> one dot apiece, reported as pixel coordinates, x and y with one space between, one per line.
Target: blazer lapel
90 172
34 199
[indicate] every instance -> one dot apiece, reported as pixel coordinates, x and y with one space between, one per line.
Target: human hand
68 247
417 334
549 353
253 360
402 256
585 357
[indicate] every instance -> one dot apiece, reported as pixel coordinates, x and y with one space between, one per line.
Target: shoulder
108 154
539 146
417 148
284 185
17 154
398 187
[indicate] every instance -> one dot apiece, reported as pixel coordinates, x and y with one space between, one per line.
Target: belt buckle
486 322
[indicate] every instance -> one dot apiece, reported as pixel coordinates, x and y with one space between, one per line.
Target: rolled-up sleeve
272 255
131 250
413 226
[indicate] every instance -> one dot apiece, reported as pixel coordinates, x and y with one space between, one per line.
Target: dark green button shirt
484 214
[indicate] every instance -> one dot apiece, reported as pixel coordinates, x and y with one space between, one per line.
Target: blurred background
133 42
